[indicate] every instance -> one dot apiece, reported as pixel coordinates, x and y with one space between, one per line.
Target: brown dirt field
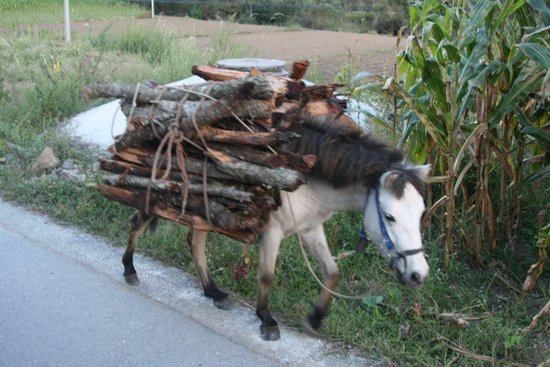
328 51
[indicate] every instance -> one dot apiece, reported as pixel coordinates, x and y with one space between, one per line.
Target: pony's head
392 218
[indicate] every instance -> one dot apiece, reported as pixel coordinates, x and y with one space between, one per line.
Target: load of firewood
212 155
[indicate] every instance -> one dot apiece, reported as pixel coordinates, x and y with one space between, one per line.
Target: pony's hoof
224 303
270 333
309 329
131 279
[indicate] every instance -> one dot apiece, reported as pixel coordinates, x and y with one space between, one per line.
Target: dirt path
328 51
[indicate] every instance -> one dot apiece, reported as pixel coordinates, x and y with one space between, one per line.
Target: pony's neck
351 197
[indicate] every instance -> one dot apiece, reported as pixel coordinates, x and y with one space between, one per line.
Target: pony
354 170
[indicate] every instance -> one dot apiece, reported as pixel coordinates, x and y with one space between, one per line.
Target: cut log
252 155
246 138
163 115
251 87
137 200
281 85
283 178
173 186
299 69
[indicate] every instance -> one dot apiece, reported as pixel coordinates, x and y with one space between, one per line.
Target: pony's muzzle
413 278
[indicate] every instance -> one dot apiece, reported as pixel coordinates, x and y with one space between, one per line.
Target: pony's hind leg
197 243
269 247
316 243
139 223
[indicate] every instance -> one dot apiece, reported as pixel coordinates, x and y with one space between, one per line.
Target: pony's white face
401 207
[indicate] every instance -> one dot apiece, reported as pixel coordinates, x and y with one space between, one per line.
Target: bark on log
137 200
282 85
206 112
246 138
252 155
252 87
173 186
145 157
282 178
299 69
302 163
163 115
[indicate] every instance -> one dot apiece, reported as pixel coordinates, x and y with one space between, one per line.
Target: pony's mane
347 156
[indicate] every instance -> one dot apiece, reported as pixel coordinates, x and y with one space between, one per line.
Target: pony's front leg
197 243
269 247
316 243
139 223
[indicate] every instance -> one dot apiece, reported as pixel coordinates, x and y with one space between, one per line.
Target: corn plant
472 86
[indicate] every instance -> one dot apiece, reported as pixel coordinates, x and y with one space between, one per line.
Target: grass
26 12
40 86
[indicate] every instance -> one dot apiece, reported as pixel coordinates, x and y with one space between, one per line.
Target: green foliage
472 85
23 12
384 16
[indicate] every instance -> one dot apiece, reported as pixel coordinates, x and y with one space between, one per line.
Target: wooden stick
282 85
252 87
282 178
246 138
173 186
137 200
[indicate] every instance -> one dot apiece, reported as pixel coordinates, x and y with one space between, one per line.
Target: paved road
63 302
57 312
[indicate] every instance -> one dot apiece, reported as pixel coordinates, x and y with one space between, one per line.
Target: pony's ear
422 171
390 180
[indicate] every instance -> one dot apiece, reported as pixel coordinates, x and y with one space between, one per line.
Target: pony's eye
389 218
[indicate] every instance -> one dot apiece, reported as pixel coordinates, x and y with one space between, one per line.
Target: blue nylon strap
385 235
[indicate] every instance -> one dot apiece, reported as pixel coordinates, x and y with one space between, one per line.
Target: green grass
24 12
40 82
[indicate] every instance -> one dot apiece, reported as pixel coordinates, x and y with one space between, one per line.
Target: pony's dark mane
347 156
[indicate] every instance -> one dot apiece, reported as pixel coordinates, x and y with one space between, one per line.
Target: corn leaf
536 52
510 6
540 6
538 175
523 85
465 92
429 119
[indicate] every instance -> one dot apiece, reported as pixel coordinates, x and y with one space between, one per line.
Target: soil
328 51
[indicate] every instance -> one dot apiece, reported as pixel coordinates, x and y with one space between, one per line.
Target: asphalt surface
63 302
57 312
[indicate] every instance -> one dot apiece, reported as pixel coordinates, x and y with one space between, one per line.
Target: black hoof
309 329
270 333
131 279
224 303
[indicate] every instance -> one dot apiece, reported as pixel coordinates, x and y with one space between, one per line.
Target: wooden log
302 163
282 178
250 87
163 115
173 186
282 85
127 168
252 155
299 69
137 200
206 112
145 157
209 133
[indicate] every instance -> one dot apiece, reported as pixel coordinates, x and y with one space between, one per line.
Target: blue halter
390 246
